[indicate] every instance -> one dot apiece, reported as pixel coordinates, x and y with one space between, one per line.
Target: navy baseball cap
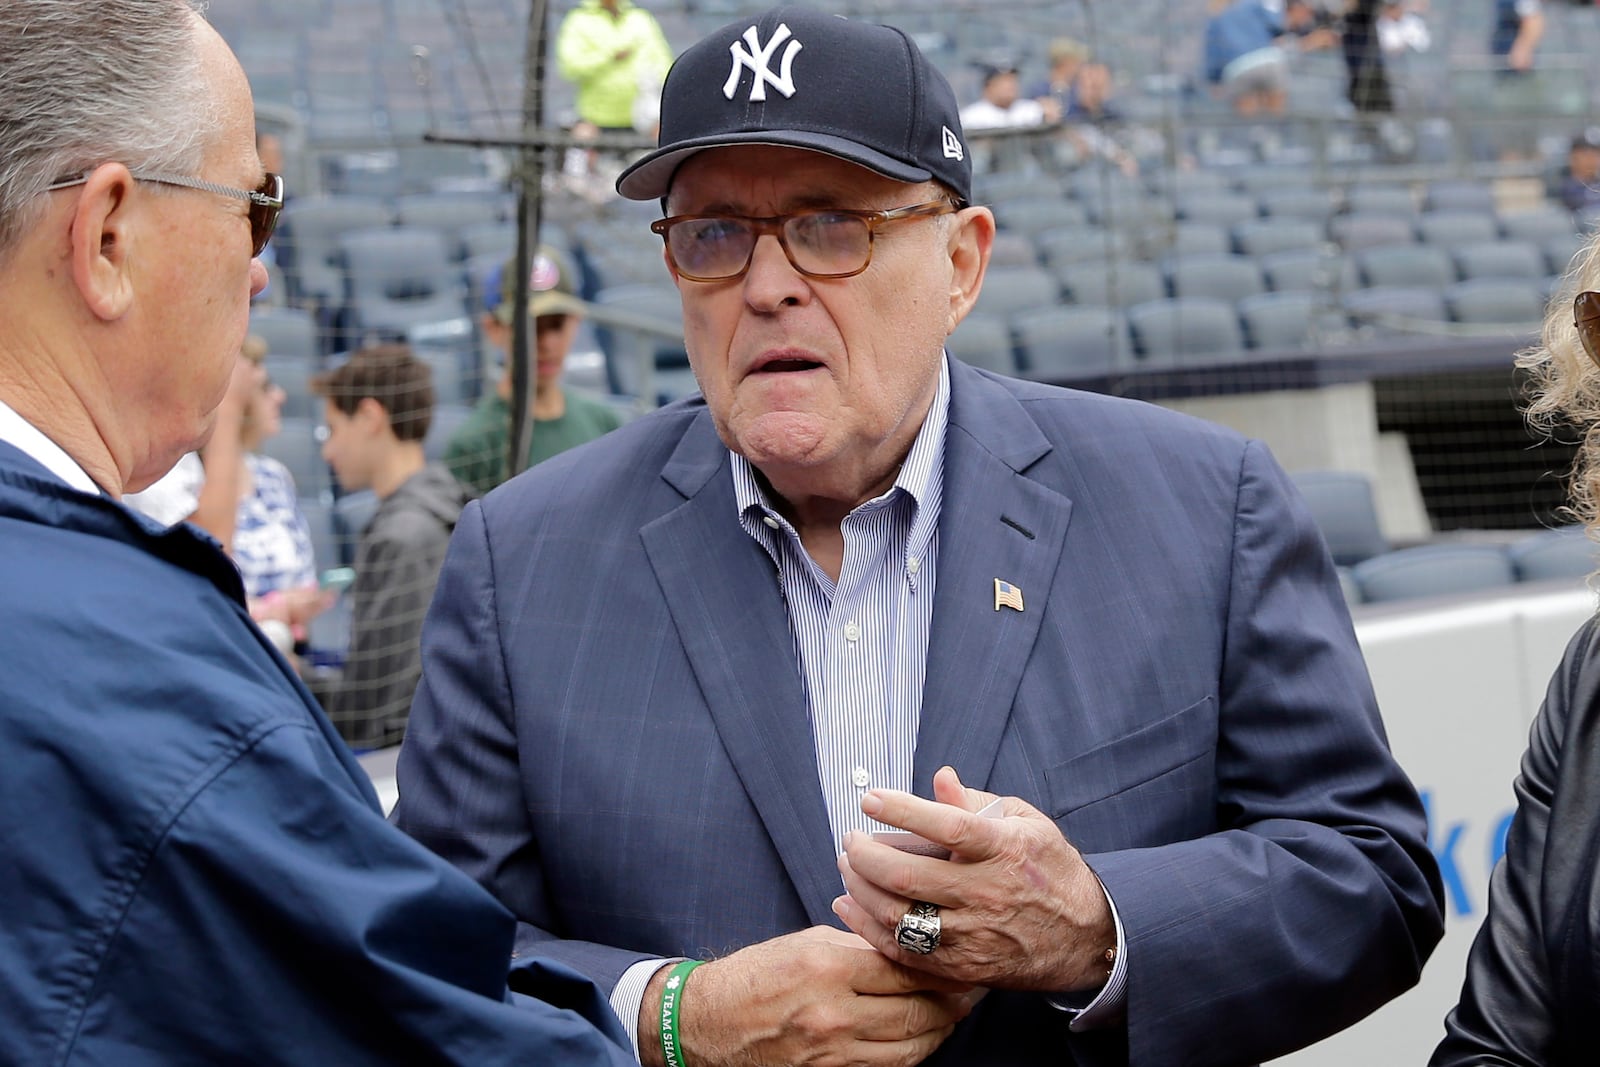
802 78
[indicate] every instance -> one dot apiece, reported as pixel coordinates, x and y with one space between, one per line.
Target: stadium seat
984 341
627 349
1560 251
1033 214
1414 265
451 214
1297 202
307 241
1315 269
1446 229
1391 200
1190 238
1223 209
1456 195
1394 309
1345 511
287 331
1537 226
1187 329
1562 553
1433 570
1279 321
1061 341
1079 244
1008 290
398 278
447 418
1116 284
1496 301
295 445
1359 230
293 375
1500 259
1218 277
1262 237
498 239
1013 249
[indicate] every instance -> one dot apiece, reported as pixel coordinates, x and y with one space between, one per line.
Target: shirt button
913 565
770 521
861 778
852 632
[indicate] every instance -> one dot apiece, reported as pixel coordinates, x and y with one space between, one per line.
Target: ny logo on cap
755 54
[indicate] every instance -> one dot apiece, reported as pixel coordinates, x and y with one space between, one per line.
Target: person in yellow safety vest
612 50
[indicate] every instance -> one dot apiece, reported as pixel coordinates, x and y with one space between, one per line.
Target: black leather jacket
1532 992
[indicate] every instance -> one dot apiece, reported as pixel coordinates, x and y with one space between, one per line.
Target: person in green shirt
478 451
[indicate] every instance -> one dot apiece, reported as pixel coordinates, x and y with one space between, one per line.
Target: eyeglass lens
819 242
264 212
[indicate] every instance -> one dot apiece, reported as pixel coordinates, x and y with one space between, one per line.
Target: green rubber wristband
671 999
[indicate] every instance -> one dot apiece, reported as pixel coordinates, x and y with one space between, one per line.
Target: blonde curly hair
1564 386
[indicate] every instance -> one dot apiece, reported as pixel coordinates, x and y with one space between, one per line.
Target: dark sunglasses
266 201
1586 318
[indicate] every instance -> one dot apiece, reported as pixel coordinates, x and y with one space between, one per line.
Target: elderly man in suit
1084 661
196 869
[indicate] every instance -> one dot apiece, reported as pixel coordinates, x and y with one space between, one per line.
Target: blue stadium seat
1008 290
1500 259
1185 329
1463 195
1538 226
1446 229
1392 200
1262 237
1433 570
1314 269
984 341
1279 321
287 331
1062 341
1218 277
1359 230
398 278
1562 553
1423 265
1496 301
1120 283
1343 507
307 241
1394 309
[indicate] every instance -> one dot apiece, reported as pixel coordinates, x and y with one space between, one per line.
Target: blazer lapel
723 595
997 523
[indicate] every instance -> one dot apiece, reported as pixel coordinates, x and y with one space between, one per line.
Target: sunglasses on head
266 201
1586 319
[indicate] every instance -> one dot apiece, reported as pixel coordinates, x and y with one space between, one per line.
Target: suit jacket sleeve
1317 899
460 761
1504 1016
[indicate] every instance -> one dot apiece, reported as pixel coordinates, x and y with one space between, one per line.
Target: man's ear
971 239
371 415
101 236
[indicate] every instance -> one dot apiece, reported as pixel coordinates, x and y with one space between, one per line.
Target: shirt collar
26 438
919 474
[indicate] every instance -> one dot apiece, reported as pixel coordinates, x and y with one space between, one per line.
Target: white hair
88 82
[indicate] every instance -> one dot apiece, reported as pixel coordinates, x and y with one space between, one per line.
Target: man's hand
1019 909
815 997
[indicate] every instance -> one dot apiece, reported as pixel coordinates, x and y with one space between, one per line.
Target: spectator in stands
1067 56
1001 104
1089 111
377 406
1533 974
1518 28
479 452
196 869
1247 46
609 49
271 542
669 678
1580 185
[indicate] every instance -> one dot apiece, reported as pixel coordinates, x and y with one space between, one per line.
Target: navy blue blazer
611 732
196 870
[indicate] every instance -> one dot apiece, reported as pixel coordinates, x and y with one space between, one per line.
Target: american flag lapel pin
1007 595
